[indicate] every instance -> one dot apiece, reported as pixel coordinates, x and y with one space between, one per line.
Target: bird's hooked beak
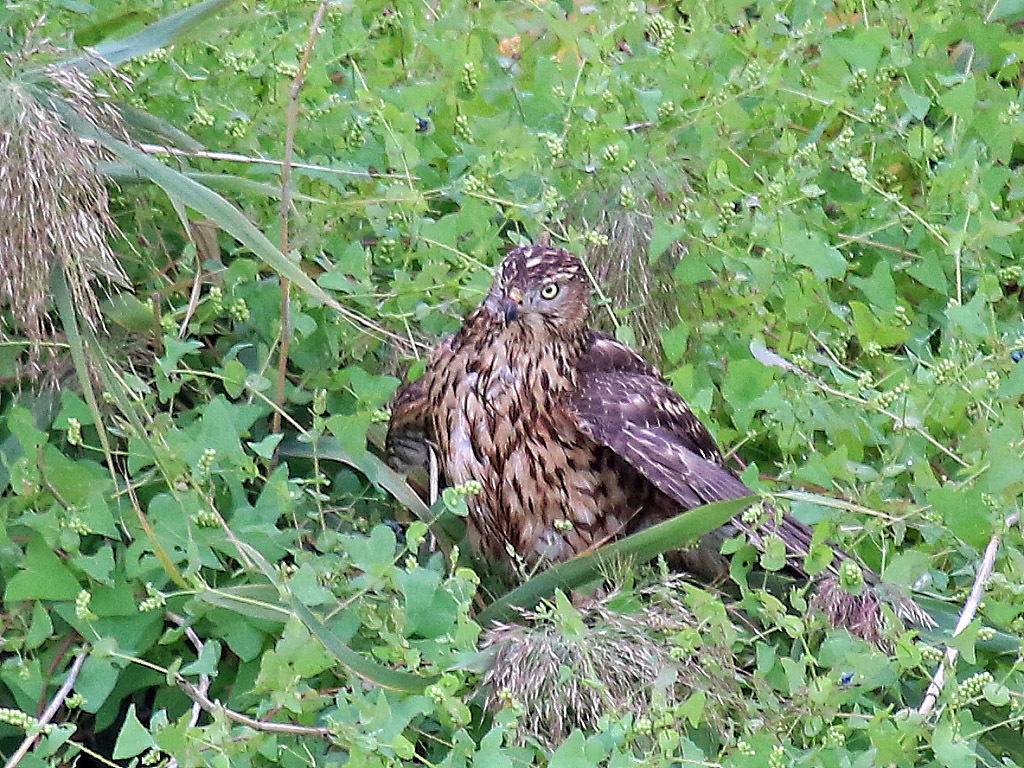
510 305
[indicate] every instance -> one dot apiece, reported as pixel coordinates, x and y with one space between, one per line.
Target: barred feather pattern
574 438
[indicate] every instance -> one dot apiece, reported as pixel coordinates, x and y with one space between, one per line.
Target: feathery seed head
53 203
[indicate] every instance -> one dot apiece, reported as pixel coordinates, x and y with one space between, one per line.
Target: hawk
576 440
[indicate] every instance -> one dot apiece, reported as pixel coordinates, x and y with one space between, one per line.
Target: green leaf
42 576
134 738
663 235
40 628
917 104
964 512
811 250
969 317
951 751
639 547
350 429
571 753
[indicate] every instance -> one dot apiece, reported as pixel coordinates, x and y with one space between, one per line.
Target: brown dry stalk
292 115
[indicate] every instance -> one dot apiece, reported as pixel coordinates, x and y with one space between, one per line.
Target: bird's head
540 286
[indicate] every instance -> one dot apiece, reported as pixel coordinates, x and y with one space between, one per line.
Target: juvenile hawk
574 438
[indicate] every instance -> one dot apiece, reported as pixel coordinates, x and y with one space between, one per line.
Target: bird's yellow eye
549 291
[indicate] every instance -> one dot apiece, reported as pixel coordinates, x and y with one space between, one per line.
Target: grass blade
365 668
122 172
194 195
159 34
640 547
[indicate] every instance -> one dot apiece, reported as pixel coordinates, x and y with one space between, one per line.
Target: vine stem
51 709
291 118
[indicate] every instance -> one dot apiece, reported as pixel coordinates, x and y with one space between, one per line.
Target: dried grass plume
54 206
644 660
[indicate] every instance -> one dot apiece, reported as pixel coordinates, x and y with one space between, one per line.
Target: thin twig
768 357
41 467
234 157
291 118
875 244
204 679
51 710
966 617
202 701
214 707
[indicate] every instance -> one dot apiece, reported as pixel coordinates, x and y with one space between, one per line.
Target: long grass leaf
258 601
69 319
207 202
122 172
363 667
640 547
159 34
147 127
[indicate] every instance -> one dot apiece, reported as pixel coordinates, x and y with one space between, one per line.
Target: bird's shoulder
617 389
606 355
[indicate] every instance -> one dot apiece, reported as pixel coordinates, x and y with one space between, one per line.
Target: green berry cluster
206 460
892 396
1011 274
82 611
74 436
858 170
155 601
239 310
945 370
469 79
555 144
20 719
860 79
387 23
202 116
627 198
611 154
462 128
851 577
205 518
777 759
236 127
78 525
353 134
239 62
970 689
473 185
660 31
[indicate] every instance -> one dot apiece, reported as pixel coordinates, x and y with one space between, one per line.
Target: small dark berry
1017 355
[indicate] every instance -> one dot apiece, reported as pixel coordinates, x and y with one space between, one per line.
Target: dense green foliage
835 181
